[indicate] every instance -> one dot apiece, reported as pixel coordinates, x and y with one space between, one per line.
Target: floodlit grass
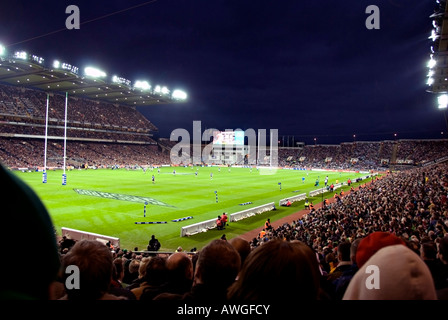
190 195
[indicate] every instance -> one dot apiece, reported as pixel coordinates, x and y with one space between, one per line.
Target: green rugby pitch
185 193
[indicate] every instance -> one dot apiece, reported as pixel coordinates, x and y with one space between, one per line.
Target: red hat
374 242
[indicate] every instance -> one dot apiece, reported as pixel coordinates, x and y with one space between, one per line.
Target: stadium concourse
405 208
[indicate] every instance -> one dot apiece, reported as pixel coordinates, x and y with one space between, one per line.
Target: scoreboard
228 147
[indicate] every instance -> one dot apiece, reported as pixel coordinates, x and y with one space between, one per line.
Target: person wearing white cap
394 272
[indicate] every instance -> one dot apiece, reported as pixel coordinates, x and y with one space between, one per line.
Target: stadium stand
410 203
98 134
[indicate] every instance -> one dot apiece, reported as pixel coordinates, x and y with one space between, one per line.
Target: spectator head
354 249
344 251
443 250
179 266
242 246
134 266
401 275
217 265
118 271
374 242
278 271
22 209
142 267
95 264
156 271
428 251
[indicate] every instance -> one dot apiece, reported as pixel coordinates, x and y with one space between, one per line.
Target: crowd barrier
292 199
81 235
211 224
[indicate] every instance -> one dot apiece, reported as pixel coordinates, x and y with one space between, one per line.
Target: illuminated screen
228 137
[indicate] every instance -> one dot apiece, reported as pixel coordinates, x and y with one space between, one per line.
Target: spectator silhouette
442 292
343 264
341 283
95 264
142 264
117 287
216 268
23 209
242 246
154 276
154 244
131 271
278 271
179 278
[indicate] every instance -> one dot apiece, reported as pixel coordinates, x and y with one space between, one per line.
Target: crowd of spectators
29 153
398 223
31 104
364 155
98 134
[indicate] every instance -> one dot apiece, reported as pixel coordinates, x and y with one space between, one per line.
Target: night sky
307 68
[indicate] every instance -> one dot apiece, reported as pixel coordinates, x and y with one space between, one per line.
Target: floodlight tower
438 58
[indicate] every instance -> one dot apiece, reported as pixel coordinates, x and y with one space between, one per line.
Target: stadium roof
24 70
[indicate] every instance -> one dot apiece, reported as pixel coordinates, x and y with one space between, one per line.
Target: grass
190 195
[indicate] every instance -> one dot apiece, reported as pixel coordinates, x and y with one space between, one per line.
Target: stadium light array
65 66
37 59
161 90
21 55
443 101
94 72
120 80
432 62
97 73
142 85
179 95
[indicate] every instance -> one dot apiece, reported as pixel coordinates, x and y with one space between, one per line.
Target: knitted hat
394 272
374 242
27 225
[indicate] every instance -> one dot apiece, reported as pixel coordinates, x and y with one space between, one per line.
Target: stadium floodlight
430 81
434 35
120 80
179 95
165 90
56 64
37 59
432 62
2 50
21 55
94 72
157 89
143 85
443 101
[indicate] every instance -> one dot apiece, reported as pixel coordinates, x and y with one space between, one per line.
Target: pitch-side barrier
206 225
81 235
292 199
